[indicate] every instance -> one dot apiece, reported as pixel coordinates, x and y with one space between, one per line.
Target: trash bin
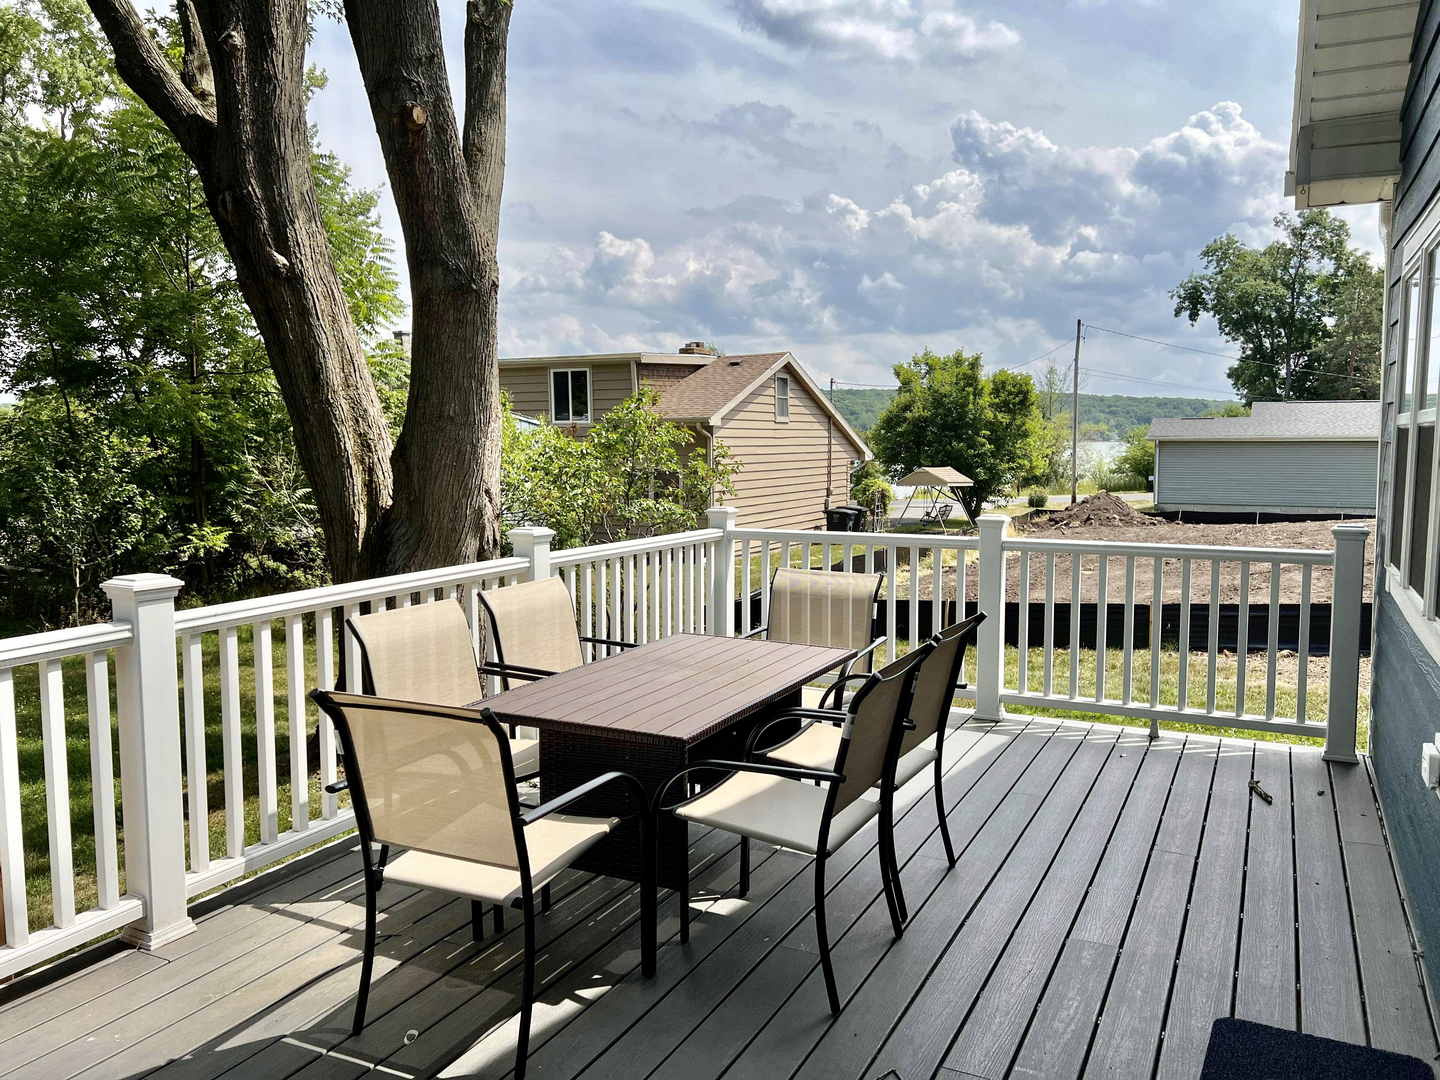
859 516
840 519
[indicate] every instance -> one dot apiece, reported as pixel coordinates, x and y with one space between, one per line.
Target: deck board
1060 944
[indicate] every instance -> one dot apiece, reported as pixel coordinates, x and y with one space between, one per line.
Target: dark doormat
1241 1050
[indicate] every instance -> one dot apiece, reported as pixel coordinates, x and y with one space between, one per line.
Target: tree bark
447 192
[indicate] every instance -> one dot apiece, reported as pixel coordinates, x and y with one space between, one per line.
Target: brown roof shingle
703 394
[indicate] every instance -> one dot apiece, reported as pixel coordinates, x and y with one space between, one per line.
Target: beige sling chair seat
821 607
533 632
439 781
922 743
781 804
425 653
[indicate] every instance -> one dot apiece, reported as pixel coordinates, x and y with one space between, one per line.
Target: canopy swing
942 483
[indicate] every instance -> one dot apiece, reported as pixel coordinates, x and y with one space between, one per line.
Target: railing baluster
615 626
325 677
914 596
630 599
12 837
744 625
586 601
1127 686
102 780
701 579
1157 618
1272 642
265 732
1023 631
1102 590
193 673
1077 570
354 682
645 594
1049 676
892 595
230 735
765 583
472 608
295 691
1242 638
1182 690
869 558
57 792
1302 676
937 590
1214 635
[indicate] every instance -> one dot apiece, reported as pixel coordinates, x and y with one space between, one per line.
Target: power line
1154 382
1207 352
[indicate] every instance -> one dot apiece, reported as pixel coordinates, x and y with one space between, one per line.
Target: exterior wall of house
1279 477
782 484
1405 680
529 386
659 377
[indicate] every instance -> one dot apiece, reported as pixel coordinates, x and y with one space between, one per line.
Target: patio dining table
650 711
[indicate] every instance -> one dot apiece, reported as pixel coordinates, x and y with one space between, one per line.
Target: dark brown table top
683 687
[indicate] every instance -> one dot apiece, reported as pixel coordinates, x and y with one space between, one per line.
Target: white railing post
533 542
1345 607
720 613
147 707
990 643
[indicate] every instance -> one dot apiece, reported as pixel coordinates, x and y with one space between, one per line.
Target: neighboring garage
1286 457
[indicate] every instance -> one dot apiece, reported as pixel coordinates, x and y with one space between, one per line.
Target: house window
782 397
570 395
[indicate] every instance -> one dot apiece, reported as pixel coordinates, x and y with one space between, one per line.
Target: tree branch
487 28
195 72
146 71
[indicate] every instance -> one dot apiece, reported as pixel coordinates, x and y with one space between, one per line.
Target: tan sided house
795 450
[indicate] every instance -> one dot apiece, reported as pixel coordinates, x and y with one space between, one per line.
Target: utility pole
1075 422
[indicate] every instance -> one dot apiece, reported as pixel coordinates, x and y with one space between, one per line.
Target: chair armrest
611 641
515 671
752 633
789 772
575 793
337 787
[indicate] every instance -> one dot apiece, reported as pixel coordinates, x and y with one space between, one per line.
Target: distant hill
1115 413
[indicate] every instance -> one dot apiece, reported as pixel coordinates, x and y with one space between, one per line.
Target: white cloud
888 29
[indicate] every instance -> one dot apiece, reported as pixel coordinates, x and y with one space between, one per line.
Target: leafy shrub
1037 500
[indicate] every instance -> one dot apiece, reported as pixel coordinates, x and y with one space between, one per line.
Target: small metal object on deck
1258 790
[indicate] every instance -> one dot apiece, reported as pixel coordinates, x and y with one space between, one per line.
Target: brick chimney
403 337
698 348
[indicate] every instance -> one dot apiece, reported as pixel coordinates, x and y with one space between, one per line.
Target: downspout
830 449
709 433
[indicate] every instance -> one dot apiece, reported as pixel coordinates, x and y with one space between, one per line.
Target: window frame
782 418
589 417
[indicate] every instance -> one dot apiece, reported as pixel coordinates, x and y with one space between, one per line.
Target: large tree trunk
449 213
237 108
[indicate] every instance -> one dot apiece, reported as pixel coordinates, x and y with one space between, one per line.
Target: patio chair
814 811
440 783
821 607
817 744
938 515
533 631
424 653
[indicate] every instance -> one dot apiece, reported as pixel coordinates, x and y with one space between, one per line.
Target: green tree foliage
949 412
1304 311
1138 456
634 474
869 485
119 311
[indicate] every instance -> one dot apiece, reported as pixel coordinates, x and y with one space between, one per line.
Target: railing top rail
1289 556
822 536
201 619
570 556
54 644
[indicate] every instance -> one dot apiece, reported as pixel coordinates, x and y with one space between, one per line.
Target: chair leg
888 827
887 883
545 897
527 991
822 939
477 920
940 812
367 964
744 867
499 919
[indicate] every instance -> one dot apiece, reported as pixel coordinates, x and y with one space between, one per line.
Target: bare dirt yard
1107 518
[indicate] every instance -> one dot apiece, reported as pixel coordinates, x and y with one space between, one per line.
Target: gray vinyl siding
1290 477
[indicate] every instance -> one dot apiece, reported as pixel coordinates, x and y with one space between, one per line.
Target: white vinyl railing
639 590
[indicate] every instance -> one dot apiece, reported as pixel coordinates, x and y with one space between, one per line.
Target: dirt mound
1102 508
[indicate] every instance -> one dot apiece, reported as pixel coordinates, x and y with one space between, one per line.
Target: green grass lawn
77 739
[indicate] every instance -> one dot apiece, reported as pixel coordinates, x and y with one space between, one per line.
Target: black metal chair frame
374 867
966 630
845 667
834 778
506 671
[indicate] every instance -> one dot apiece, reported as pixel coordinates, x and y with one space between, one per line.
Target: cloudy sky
856 179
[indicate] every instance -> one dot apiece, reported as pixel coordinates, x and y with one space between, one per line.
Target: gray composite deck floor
1112 897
